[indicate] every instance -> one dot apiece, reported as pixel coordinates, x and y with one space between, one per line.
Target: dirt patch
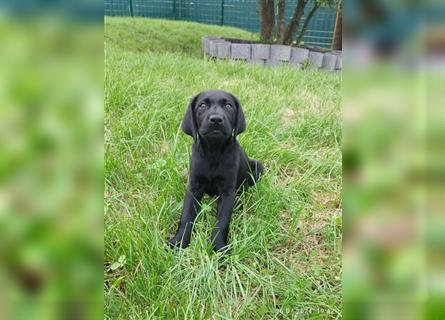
288 116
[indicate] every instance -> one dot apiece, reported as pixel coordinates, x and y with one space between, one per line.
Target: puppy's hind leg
256 171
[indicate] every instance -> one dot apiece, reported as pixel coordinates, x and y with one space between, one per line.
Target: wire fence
237 13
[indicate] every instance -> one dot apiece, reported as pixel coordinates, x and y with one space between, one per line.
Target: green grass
285 233
164 35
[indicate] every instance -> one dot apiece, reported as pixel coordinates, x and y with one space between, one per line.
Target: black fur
218 165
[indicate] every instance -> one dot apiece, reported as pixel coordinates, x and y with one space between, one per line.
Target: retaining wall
271 54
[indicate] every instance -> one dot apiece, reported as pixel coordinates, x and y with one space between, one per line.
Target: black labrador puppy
218 165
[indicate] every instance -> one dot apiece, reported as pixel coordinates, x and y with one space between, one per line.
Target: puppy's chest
214 176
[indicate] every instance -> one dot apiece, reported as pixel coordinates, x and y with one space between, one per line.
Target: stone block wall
271 55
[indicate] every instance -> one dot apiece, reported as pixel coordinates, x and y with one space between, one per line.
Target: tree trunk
294 23
281 7
267 19
336 42
306 23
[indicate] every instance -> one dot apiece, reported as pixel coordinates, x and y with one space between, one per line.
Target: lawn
285 261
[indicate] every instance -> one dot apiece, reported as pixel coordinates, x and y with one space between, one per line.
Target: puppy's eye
202 106
228 106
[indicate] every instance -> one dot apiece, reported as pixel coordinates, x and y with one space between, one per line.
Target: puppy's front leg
224 214
189 212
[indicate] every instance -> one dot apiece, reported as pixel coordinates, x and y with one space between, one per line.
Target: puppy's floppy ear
240 121
189 125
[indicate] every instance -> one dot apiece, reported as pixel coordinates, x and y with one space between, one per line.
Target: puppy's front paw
219 240
177 242
219 246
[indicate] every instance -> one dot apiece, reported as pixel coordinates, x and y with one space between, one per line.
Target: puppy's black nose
215 119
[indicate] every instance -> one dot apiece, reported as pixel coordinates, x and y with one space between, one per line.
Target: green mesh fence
238 13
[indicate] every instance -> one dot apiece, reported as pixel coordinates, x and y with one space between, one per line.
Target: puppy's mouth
214 133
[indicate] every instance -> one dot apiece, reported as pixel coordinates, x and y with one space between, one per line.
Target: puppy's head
214 115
